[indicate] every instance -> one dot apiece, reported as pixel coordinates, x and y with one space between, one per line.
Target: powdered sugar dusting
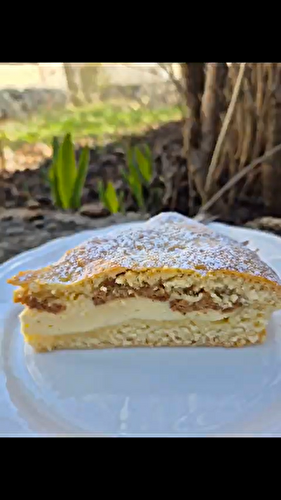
168 240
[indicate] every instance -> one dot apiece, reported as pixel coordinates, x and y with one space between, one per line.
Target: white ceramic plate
137 392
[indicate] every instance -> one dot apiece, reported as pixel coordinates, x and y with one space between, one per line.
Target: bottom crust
154 334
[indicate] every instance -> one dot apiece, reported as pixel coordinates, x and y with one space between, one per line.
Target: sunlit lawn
100 122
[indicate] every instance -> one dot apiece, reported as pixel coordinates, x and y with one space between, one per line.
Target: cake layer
138 333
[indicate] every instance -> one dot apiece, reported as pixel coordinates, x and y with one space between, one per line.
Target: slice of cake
170 281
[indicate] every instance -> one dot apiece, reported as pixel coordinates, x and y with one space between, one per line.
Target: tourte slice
169 281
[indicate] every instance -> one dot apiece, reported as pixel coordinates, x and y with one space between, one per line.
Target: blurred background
85 145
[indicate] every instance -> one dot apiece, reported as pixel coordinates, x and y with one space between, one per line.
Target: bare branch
173 79
237 177
226 123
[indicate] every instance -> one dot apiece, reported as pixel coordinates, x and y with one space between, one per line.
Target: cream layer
82 315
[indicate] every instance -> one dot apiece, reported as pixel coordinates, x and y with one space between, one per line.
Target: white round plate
137 392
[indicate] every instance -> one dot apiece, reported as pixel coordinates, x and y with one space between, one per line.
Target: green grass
101 122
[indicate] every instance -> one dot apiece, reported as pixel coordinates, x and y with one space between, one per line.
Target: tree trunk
234 110
271 170
194 76
88 78
72 84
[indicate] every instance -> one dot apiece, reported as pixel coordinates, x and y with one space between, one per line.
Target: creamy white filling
83 316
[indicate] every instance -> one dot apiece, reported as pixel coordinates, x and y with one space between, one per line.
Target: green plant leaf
83 166
133 167
134 177
148 152
135 186
101 191
112 198
53 176
56 146
136 189
144 165
66 171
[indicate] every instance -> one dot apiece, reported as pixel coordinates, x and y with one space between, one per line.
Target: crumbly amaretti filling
184 293
189 299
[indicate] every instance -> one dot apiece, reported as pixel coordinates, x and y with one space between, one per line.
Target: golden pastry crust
166 242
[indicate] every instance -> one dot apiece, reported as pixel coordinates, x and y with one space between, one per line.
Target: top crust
166 242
